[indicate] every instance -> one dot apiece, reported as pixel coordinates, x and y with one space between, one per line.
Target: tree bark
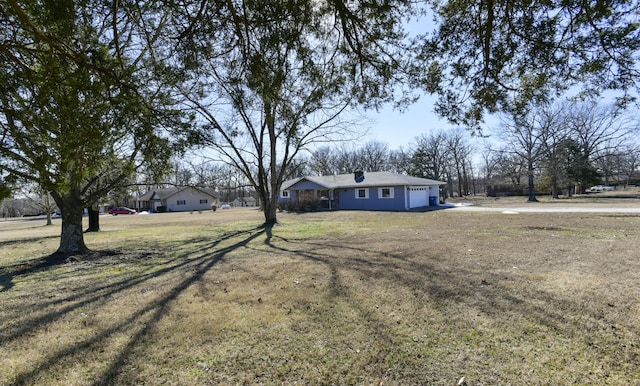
71 237
554 186
94 219
270 210
532 189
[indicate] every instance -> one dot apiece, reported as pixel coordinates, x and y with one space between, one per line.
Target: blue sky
399 129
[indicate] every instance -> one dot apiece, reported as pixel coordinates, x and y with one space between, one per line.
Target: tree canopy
268 78
79 108
491 56
92 90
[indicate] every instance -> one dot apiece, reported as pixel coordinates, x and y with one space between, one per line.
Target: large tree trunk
94 219
532 189
554 187
267 206
270 210
49 220
72 237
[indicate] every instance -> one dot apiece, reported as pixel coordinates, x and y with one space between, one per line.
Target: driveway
578 204
536 208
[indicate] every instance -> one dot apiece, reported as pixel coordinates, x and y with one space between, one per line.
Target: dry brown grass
328 298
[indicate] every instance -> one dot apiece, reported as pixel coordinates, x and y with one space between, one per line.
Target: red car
117 211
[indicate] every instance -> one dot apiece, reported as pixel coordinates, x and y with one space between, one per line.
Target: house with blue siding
376 191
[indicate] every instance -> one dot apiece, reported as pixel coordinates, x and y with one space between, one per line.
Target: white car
601 188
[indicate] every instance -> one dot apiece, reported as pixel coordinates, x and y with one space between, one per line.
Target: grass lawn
341 298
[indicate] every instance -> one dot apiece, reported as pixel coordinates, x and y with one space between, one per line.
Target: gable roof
245 199
164 193
370 180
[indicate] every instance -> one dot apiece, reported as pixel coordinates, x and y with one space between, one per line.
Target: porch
308 200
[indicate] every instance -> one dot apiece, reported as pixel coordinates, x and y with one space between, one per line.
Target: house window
362 193
182 202
385 192
284 194
204 201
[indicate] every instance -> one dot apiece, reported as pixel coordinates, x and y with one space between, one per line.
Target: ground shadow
485 294
191 268
422 276
8 243
8 273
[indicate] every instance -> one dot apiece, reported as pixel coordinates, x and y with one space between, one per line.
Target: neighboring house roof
370 179
245 199
164 193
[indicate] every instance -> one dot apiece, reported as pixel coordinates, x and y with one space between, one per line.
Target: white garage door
418 196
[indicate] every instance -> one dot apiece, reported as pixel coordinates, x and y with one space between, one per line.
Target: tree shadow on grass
473 293
190 267
7 243
7 273
425 279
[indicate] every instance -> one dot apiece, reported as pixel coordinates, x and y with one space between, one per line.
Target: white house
244 201
177 199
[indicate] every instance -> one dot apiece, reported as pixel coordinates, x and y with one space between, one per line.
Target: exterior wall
148 205
345 198
374 201
243 203
296 190
434 195
191 198
292 196
155 204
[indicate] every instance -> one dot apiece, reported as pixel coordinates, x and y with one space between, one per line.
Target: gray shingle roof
164 193
370 179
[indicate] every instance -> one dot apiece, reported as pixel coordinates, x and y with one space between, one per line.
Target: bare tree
599 130
400 161
323 161
346 159
459 154
512 167
374 156
525 137
285 74
207 174
610 163
183 174
490 158
554 132
41 200
631 164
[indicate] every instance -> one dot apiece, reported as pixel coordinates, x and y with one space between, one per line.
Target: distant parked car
225 206
121 210
601 188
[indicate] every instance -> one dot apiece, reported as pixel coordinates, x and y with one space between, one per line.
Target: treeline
556 149
564 148
551 149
